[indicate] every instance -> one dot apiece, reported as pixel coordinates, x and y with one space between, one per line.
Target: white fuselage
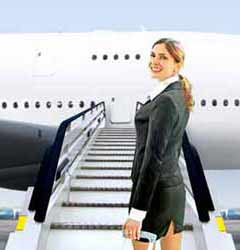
58 67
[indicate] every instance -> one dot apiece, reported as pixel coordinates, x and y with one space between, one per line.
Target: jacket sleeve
161 121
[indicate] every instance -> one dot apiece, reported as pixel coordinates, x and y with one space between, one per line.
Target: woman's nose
156 62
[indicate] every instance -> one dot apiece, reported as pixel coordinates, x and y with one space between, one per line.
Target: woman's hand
131 229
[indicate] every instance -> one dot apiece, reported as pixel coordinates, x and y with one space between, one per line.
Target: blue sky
77 16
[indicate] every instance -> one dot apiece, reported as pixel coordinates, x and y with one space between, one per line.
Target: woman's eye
152 55
163 57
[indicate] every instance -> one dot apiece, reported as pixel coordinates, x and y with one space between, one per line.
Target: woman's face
162 65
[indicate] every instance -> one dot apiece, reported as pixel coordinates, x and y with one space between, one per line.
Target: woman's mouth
156 69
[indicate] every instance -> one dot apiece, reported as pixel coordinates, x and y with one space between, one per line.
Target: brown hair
175 49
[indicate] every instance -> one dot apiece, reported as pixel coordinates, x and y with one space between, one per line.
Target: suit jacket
159 124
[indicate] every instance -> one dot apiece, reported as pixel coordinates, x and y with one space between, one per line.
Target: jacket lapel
174 85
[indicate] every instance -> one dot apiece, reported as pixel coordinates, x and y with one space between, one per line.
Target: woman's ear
178 66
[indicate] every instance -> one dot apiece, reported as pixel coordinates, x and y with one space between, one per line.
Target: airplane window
137 56
203 103
236 101
214 102
15 105
225 102
26 104
81 104
115 57
59 104
70 104
37 104
92 104
48 104
4 105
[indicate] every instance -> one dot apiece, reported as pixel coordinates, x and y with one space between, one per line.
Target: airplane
48 77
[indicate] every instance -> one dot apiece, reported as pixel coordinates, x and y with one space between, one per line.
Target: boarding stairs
88 202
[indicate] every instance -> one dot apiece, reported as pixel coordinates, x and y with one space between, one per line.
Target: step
117 158
122 144
99 197
91 215
102 177
116 135
107 240
79 226
104 168
93 204
109 153
107 136
101 183
100 189
111 149
108 159
118 132
100 172
94 216
117 128
115 140
105 164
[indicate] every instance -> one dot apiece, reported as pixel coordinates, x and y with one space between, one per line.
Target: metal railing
71 137
200 189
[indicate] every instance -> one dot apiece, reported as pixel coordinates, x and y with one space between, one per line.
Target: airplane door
120 110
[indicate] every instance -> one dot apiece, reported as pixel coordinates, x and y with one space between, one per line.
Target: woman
157 201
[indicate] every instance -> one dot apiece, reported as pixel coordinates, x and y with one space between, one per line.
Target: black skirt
168 204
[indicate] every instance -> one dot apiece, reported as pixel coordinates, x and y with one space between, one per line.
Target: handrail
60 155
197 179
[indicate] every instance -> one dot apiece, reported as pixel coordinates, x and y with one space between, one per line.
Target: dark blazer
159 124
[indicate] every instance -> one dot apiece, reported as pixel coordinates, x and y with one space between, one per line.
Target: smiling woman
157 202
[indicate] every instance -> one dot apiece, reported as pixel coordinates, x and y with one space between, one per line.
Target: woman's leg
138 245
171 241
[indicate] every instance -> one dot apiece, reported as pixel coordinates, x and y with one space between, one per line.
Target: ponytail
187 88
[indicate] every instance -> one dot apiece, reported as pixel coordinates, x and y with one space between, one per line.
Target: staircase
100 189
